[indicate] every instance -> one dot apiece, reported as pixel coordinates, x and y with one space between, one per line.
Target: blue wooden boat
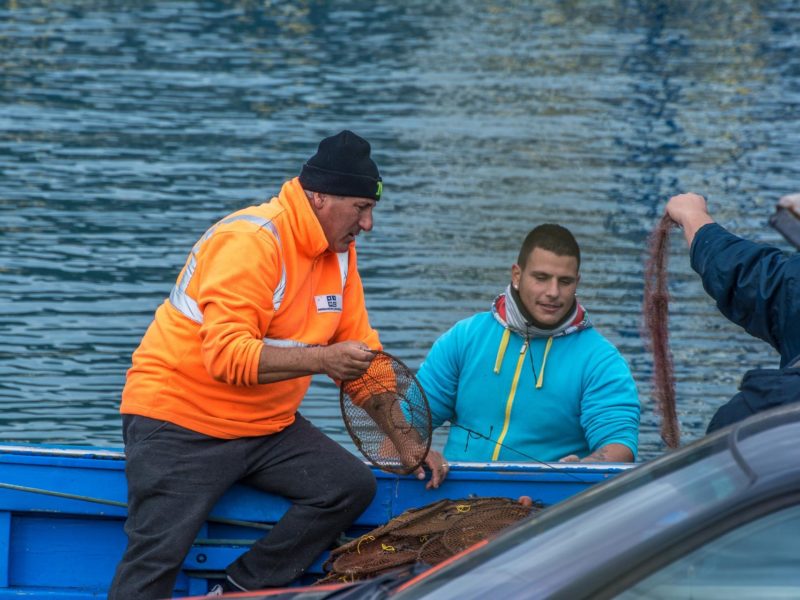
62 512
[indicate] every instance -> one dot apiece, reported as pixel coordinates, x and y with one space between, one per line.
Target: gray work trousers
176 476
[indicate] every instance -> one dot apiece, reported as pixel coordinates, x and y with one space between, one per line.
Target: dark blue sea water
127 128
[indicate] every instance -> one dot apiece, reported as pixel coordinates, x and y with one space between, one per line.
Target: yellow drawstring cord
540 380
501 351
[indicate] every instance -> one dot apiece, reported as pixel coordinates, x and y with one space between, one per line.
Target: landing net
656 331
387 415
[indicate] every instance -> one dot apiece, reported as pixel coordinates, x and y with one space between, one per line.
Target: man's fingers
436 479
348 360
360 352
439 469
353 364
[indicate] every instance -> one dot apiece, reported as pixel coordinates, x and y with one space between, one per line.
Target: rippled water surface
126 129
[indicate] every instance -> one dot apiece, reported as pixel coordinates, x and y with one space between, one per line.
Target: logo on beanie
342 166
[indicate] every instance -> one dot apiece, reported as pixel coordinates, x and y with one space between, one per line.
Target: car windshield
634 507
757 560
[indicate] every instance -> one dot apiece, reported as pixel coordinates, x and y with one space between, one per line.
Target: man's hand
434 461
439 469
344 361
792 202
690 212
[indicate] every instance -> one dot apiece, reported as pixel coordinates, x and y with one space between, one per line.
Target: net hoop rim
400 470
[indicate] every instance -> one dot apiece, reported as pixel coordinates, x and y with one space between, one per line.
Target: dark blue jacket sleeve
754 285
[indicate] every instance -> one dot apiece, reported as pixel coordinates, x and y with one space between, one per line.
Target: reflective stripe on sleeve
187 305
286 343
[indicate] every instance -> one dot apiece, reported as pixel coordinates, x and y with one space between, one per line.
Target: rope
370 538
476 434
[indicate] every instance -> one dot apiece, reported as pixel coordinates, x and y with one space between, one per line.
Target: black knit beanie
342 167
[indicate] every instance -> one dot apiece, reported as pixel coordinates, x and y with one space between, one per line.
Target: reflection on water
125 133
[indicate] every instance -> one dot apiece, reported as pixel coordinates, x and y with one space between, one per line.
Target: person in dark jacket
756 286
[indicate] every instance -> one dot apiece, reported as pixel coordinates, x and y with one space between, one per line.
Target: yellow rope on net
364 538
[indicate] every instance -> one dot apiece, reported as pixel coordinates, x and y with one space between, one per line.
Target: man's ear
516 274
318 200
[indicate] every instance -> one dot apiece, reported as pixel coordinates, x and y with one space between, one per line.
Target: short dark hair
555 238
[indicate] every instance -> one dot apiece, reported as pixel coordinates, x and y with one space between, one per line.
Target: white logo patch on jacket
329 303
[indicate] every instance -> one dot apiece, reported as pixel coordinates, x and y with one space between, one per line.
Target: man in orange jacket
269 296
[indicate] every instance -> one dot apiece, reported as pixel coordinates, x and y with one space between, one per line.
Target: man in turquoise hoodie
531 379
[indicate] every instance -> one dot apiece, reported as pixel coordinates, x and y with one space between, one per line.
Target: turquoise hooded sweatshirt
509 399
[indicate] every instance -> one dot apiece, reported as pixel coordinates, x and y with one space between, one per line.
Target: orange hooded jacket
261 275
